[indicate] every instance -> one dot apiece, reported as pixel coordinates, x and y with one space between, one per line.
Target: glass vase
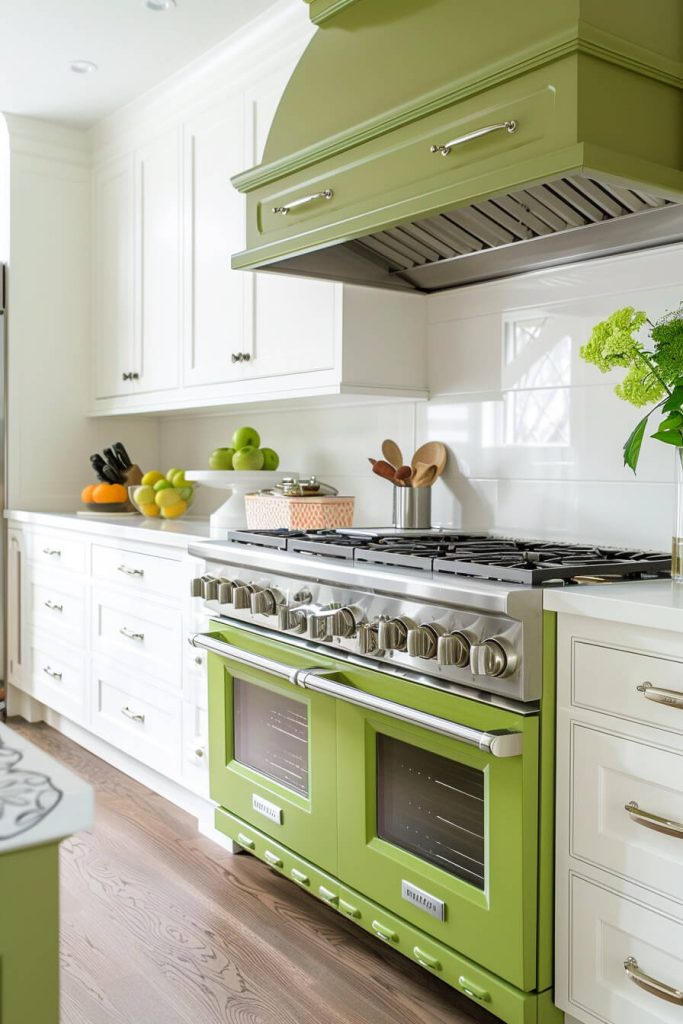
677 539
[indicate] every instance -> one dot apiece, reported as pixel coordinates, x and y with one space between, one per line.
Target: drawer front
141 719
608 679
609 773
145 636
57 677
60 550
382 176
56 605
606 930
139 573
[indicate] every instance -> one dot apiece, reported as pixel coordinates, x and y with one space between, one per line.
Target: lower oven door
272 745
439 831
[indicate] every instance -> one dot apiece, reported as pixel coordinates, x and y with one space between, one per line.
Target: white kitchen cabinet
113 278
157 264
619 863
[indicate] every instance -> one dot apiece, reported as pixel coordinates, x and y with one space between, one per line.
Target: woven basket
275 512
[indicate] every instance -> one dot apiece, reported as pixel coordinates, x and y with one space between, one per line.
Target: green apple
162 485
271 459
221 458
172 472
144 495
246 437
185 493
178 478
167 496
248 458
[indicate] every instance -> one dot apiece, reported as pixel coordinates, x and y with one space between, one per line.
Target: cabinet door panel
114 277
214 228
158 262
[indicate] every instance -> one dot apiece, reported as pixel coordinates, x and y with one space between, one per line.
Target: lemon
149 509
144 495
174 511
168 497
149 479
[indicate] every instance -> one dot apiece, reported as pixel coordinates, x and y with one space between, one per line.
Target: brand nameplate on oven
424 900
267 809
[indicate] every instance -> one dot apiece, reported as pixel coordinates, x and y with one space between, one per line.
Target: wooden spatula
433 453
424 475
392 453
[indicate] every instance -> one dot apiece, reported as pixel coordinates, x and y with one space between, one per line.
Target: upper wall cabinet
175 327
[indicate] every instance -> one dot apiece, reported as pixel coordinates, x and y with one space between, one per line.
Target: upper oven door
439 831
272 746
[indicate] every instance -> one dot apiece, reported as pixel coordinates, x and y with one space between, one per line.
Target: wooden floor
161 926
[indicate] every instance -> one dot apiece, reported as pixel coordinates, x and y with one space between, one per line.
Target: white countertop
175 532
40 800
654 603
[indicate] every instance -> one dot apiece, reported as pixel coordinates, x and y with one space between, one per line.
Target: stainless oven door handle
499 743
214 643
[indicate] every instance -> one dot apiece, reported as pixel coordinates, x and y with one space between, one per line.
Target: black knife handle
122 454
98 464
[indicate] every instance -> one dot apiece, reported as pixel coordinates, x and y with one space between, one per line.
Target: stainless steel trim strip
654 821
649 984
500 744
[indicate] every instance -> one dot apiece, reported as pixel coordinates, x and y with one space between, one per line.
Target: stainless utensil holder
412 508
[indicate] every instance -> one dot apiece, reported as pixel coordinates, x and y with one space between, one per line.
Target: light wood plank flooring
161 926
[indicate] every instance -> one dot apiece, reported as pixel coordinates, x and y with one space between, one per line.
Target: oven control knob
197 587
423 641
494 657
454 649
210 588
266 602
226 589
241 596
368 642
335 622
393 633
293 620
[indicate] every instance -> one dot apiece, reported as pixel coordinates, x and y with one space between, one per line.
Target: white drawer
56 604
59 549
607 929
57 677
607 679
607 773
139 573
140 719
143 635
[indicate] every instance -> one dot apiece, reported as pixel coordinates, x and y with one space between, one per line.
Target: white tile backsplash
536 435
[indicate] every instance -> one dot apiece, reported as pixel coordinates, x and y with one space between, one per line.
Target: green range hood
424 144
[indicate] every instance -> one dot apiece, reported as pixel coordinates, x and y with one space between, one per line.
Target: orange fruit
87 493
118 493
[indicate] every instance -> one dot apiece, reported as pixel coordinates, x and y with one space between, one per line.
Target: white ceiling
135 48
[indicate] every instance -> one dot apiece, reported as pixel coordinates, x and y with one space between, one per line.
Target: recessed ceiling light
82 67
160 5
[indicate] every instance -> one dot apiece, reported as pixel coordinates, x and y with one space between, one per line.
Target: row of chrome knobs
492 657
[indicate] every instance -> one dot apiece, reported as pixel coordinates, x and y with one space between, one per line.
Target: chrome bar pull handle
131 635
130 572
52 673
134 715
673 698
650 984
326 193
54 607
654 821
444 149
52 552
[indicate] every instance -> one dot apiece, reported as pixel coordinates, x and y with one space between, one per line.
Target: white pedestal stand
231 514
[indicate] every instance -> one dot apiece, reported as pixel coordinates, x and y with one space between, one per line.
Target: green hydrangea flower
667 335
612 343
640 386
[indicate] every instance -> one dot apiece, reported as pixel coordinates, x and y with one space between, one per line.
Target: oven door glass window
432 807
271 735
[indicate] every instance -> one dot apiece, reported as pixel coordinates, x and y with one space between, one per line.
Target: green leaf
634 443
673 420
675 400
669 437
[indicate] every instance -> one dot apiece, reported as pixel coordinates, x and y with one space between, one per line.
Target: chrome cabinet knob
423 641
241 595
266 602
393 633
493 657
293 620
368 638
454 649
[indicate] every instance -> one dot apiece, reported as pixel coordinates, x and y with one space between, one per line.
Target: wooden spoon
425 475
433 453
383 469
392 453
404 474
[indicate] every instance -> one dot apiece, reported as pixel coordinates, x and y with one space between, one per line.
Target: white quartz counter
177 533
40 800
654 603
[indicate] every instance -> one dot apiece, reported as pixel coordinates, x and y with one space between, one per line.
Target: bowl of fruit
167 496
